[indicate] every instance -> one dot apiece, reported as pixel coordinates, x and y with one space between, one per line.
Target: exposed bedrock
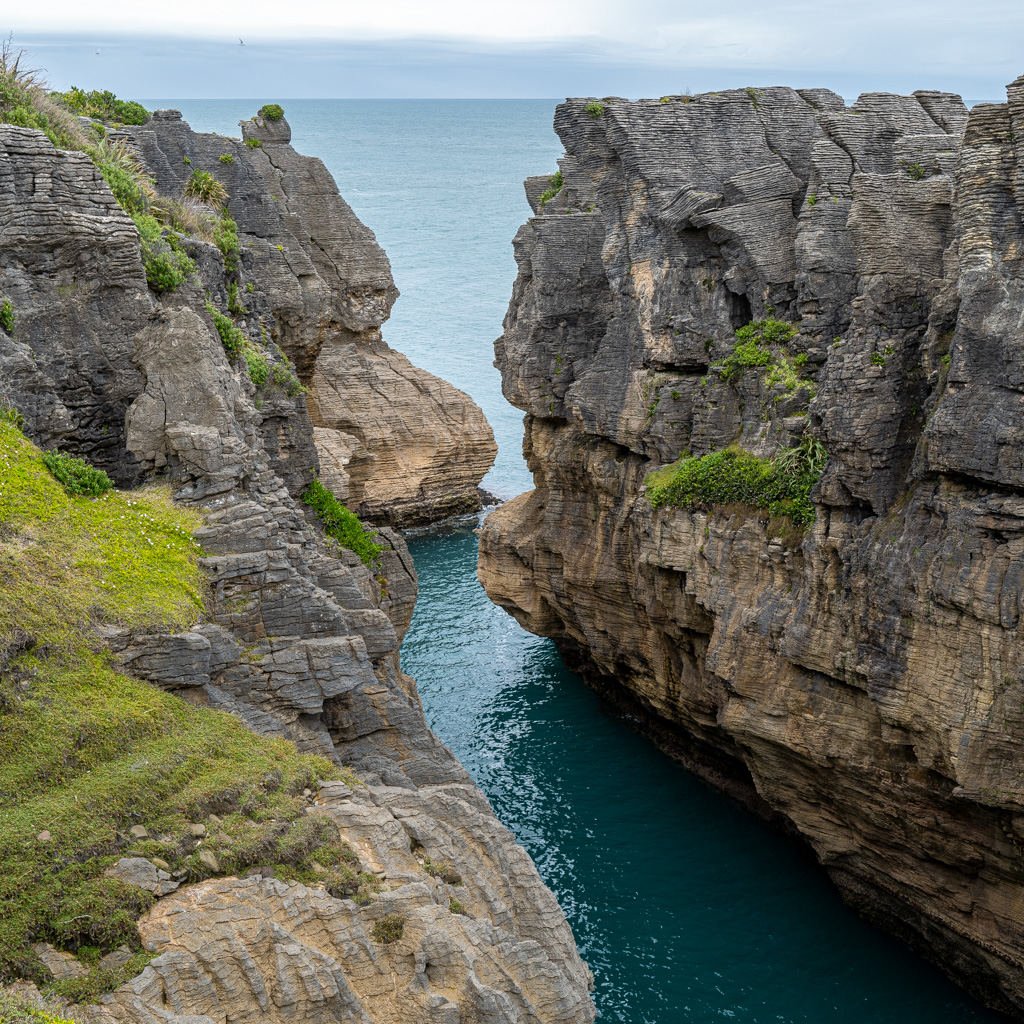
397 444
861 683
299 639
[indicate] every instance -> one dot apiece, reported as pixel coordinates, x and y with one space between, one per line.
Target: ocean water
687 909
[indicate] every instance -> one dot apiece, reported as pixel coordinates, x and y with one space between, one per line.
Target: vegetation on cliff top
87 752
103 106
780 486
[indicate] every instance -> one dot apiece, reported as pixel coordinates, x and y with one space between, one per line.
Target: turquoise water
686 908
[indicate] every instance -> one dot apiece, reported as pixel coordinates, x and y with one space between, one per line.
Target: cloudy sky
524 48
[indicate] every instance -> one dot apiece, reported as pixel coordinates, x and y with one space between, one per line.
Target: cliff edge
768 347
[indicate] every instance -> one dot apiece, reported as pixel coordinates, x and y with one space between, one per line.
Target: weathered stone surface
275 951
62 966
143 873
861 684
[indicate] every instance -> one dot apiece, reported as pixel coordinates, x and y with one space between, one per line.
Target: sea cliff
768 347
211 374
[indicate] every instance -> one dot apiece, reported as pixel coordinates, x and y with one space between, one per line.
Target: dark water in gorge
686 908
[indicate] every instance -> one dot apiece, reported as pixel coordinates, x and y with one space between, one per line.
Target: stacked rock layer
860 683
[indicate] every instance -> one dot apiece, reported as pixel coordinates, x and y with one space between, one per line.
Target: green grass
85 751
7 316
254 143
341 524
17 1008
780 486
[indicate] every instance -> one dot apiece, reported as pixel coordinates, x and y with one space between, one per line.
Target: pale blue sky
526 48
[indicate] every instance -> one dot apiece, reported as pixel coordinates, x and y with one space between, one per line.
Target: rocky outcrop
860 683
300 638
397 444
479 949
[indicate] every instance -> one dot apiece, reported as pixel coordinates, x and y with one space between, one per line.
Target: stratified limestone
416 448
300 640
862 684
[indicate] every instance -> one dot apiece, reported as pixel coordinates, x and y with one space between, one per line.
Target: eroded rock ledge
300 639
862 683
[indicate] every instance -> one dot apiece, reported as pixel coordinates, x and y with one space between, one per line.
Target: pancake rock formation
859 681
300 638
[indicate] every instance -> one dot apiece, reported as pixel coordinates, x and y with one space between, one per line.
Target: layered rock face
860 683
300 638
395 443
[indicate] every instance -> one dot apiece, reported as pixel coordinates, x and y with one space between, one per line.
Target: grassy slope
86 752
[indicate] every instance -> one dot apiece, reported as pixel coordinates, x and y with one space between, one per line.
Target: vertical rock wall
860 683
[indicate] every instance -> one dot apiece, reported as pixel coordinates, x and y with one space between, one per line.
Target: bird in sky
240 43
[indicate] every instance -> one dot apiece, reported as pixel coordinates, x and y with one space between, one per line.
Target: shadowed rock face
300 639
861 684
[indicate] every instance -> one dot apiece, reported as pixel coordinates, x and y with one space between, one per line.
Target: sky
526 48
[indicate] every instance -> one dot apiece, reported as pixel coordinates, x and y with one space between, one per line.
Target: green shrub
285 378
341 524
557 184
781 486
205 188
232 338
225 237
77 476
234 302
915 172
388 929
254 143
226 158
271 112
259 368
100 980
753 347
167 267
594 110
103 106
7 316
457 907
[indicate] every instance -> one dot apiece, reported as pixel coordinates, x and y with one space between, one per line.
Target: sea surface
686 908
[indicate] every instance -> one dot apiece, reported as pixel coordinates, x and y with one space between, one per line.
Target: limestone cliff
300 638
860 683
